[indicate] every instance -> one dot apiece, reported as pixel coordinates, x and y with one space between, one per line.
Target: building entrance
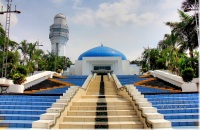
102 67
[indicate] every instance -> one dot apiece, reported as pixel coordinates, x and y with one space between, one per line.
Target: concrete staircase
101 108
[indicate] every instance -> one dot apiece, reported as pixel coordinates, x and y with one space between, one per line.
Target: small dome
60 16
102 51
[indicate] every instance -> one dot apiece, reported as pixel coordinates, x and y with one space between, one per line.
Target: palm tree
37 56
31 50
189 5
23 46
169 50
186 32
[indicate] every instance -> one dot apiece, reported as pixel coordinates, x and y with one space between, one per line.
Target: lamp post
7 31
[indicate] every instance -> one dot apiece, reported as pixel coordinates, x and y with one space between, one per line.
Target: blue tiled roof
102 51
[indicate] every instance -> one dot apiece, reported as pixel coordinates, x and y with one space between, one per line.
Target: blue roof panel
102 51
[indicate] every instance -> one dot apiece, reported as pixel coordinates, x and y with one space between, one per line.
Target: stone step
97 93
100 118
101 125
101 96
101 113
99 103
97 87
106 89
119 107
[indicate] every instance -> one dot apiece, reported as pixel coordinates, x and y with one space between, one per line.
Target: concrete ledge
49 116
44 124
58 105
48 119
118 84
66 97
160 123
87 81
189 87
144 108
144 104
54 110
148 109
141 100
68 94
154 115
135 93
62 100
138 96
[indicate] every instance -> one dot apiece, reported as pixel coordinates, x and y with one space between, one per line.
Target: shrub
19 78
59 71
160 63
187 74
22 70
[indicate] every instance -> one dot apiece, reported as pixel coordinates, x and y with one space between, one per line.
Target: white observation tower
59 35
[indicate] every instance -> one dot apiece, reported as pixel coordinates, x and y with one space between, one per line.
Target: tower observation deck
59 35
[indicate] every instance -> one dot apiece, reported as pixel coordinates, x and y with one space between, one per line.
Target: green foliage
144 68
19 78
21 70
187 74
160 63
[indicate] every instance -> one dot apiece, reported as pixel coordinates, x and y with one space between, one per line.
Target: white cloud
13 18
77 3
115 14
57 1
86 17
169 4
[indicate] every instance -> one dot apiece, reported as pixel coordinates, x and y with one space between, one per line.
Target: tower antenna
7 32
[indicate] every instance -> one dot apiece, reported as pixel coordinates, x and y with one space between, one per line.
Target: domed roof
102 51
60 16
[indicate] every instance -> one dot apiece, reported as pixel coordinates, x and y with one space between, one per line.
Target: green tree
189 5
23 46
186 32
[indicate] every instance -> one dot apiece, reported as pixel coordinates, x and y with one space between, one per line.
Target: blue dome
102 51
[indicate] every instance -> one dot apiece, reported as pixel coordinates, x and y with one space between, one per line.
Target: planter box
189 87
15 88
5 81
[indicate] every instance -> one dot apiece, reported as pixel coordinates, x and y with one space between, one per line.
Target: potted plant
59 71
187 75
18 80
18 77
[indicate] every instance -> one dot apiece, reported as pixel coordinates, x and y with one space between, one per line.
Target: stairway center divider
101 106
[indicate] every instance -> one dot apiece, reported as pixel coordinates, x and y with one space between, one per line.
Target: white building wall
120 67
88 64
125 67
134 69
78 67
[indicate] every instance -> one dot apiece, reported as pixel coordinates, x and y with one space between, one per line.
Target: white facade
59 35
102 58
84 66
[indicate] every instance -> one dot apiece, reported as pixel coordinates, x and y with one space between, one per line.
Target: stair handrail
137 106
87 82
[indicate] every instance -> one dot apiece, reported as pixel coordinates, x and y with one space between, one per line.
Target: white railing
94 76
171 78
87 81
37 78
118 84
109 76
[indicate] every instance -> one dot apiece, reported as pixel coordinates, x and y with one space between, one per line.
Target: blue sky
125 25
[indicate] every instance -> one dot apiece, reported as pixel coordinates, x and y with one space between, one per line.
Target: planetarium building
102 58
